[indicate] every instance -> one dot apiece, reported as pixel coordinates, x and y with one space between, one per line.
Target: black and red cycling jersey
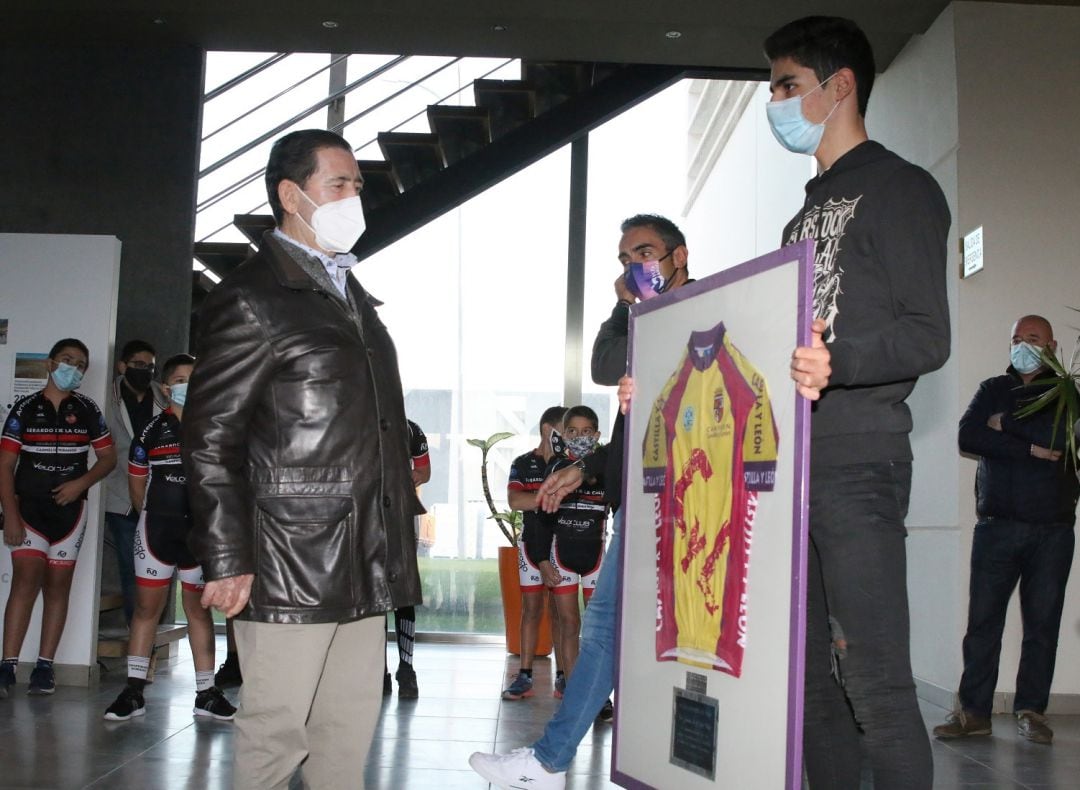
52 444
156 454
418 449
582 514
526 474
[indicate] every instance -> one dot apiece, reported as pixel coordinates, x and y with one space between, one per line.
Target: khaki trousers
311 697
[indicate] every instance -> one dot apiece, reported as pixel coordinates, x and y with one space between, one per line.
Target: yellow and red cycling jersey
710 447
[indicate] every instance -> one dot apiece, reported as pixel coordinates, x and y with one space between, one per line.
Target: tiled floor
62 741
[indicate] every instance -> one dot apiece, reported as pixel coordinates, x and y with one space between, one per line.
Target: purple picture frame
802 253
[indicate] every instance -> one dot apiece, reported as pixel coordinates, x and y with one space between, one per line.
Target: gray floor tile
62 742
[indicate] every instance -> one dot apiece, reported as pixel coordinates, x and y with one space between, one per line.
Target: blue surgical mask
1026 358
790 127
178 393
581 446
66 377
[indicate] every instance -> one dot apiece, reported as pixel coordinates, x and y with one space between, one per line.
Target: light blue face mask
178 393
66 377
1026 358
790 127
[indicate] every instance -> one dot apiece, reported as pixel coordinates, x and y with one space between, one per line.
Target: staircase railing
383 70
306 113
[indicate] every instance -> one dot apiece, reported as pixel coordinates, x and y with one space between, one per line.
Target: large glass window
476 304
637 165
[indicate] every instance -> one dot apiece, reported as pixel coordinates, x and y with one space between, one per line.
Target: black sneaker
128 705
214 703
406 683
607 713
7 679
42 681
228 673
387 684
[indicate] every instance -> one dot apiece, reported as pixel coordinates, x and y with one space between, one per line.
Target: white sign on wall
973 252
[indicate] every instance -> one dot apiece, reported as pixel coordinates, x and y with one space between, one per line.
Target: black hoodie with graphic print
880 225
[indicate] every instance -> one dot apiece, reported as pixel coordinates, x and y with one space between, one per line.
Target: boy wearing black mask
134 399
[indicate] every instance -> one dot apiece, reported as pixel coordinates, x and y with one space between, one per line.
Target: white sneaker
519 770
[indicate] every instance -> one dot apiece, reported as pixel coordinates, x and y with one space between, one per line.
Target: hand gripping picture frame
710 641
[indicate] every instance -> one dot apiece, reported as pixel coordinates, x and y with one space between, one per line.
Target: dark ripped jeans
860 695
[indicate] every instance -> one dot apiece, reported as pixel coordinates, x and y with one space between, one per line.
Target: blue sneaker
520 688
7 678
560 687
42 680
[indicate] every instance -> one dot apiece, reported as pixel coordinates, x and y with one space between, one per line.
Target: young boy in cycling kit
44 477
159 492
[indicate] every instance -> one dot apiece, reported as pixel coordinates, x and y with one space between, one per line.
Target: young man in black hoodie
881 320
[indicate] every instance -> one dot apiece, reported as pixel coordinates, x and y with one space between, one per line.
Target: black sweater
880 224
608 366
1011 483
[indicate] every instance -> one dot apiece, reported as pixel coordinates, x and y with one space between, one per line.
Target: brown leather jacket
296 448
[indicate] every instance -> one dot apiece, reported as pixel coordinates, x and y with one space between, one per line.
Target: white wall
754 189
1019 173
913 111
978 100
54 287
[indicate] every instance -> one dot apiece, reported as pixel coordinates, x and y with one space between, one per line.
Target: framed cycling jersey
711 621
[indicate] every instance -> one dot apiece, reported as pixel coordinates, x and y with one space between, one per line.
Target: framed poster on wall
712 614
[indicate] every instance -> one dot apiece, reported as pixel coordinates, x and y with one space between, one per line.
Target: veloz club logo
718 405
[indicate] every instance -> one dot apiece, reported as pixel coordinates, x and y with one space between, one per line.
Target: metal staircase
464 149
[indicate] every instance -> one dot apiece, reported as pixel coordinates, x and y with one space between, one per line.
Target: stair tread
375 166
485 86
109 601
254 225
409 138
112 642
456 111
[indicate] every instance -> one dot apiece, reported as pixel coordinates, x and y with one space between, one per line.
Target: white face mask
336 225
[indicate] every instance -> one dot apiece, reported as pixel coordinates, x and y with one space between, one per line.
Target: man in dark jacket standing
1026 498
880 226
296 451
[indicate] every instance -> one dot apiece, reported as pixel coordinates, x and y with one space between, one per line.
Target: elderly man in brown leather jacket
296 451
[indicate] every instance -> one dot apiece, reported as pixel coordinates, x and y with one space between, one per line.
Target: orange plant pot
511 600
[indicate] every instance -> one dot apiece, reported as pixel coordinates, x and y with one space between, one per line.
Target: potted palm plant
1062 394
509 522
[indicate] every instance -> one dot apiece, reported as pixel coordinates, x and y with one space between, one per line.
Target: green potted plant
509 522
1062 394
